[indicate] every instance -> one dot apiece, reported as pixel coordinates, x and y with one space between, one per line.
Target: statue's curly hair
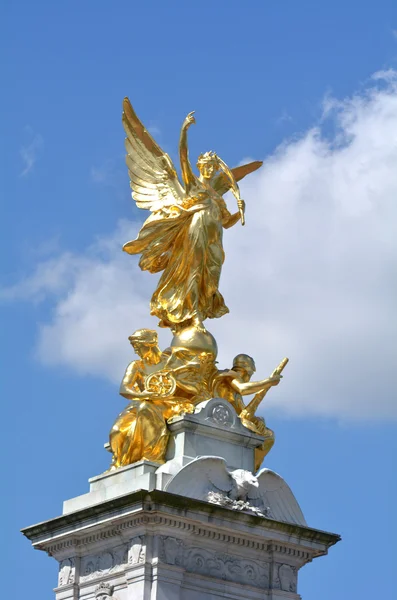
209 158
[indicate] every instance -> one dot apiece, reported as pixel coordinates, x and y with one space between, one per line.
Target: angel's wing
275 494
221 182
201 476
153 177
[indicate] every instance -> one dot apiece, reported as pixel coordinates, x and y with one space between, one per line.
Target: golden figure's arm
222 182
232 181
251 408
236 193
128 386
226 180
251 387
188 176
230 219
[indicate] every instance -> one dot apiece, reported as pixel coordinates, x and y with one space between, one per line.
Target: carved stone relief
104 591
172 551
96 565
136 553
66 572
224 500
221 415
287 578
214 564
284 578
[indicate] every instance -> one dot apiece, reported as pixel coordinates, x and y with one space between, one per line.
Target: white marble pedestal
160 546
130 538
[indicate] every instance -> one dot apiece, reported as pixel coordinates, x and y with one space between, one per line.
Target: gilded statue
158 386
183 235
182 240
233 384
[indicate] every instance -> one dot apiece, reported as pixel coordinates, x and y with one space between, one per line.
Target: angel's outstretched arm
187 173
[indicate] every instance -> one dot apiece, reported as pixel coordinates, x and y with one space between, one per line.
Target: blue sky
309 87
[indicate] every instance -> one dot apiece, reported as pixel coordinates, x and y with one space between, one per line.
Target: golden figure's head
208 164
245 365
144 341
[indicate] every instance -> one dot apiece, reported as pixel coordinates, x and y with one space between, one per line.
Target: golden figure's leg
263 450
124 422
177 406
148 436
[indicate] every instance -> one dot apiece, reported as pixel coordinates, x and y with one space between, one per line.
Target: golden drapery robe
140 431
186 244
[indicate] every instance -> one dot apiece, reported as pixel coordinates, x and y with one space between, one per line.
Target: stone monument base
160 546
214 426
198 527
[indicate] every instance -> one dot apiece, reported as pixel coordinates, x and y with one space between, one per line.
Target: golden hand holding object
162 383
250 410
241 208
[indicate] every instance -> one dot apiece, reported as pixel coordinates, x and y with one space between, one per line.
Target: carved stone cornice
77 533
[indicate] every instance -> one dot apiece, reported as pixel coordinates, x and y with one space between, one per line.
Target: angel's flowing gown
186 244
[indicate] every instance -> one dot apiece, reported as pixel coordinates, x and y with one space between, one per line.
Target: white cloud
105 173
285 117
30 152
311 275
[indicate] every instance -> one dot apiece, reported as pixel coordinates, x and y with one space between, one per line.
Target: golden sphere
192 339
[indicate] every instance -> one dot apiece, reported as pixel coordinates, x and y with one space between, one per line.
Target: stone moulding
94 525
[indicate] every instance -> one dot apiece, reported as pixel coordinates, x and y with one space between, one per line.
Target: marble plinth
160 546
213 429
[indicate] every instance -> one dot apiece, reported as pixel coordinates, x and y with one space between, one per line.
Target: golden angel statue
183 235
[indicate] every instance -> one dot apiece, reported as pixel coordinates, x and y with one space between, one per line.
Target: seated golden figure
159 385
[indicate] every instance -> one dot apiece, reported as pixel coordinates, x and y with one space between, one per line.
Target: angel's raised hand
190 120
